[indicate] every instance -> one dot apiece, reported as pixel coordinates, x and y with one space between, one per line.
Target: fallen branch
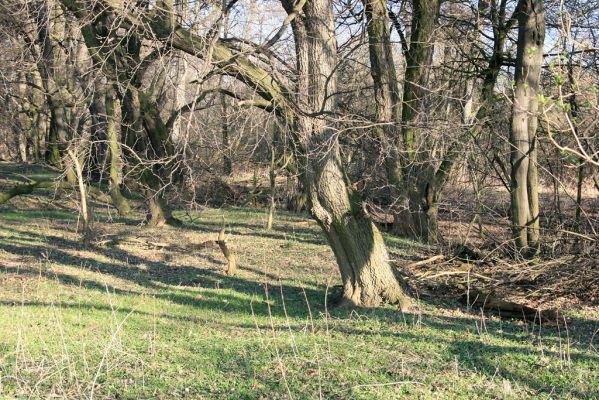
28 188
479 291
456 272
427 261
492 304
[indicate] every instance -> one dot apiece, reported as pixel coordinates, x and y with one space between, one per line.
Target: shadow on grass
279 231
229 294
164 281
16 171
496 354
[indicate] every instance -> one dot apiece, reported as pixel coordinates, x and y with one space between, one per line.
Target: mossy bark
414 213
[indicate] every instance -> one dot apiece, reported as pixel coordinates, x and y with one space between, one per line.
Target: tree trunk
141 116
388 109
362 257
227 163
272 180
118 200
40 118
414 214
25 134
53 156
86 216
523 158
581 162
159 214
417 174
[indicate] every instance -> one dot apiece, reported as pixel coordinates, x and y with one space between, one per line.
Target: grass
128 322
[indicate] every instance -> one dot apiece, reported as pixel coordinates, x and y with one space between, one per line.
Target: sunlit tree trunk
387 99
361 254
115 157
146 135
86 213
524 176
227 162
272 177
418 176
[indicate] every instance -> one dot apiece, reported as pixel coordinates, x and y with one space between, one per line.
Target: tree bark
523 155
413 186
86 216
146 134
272 180
112 103
227 163
362 257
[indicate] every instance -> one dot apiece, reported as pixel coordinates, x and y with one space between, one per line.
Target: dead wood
430 260
492 304
498 288
54 184
222 243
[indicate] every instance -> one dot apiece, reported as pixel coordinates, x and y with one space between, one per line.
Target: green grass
130 322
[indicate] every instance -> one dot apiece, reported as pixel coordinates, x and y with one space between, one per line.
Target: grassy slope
126 321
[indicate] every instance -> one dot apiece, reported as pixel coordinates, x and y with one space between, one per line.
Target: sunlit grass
132 321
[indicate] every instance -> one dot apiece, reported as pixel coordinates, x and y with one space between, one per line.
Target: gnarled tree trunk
362 257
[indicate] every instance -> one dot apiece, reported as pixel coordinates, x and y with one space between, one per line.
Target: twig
387 384
427 261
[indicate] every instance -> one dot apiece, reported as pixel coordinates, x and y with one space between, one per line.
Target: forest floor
132 316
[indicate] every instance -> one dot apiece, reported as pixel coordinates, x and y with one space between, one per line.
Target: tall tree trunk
25 134
40 118
418 177
272 178
86 215
388 107
524 177
362 257
412 181
227 163
145 135
112 103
